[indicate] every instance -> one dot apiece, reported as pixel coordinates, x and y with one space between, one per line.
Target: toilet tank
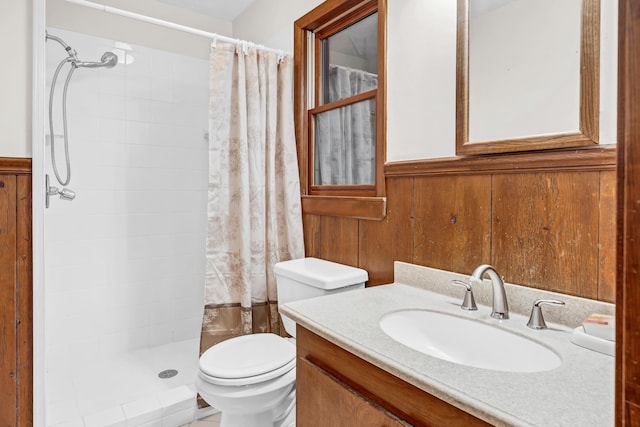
312 277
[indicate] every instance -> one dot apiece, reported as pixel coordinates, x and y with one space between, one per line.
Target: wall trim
578 159
15 165
373 208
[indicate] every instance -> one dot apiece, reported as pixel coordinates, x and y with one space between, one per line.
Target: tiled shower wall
124 261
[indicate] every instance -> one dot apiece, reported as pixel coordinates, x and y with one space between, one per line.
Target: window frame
330 17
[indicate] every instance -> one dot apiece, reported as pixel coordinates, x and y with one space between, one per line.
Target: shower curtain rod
172 25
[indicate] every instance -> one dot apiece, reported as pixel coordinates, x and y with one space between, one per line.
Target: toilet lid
247 356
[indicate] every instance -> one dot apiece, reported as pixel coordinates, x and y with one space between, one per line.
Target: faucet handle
468 303
536 320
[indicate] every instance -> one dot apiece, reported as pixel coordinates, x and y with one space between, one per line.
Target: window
340 101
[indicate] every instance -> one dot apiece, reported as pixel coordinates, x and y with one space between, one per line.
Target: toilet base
286 416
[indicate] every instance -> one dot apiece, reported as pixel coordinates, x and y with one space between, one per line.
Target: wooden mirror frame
589 130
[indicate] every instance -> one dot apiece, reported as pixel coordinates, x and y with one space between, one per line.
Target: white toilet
251 379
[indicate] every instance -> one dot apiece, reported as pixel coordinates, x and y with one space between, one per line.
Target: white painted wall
270 22
421 79
421 98
15 78
421 68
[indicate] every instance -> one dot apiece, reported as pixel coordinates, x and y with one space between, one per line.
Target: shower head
66 194
108 60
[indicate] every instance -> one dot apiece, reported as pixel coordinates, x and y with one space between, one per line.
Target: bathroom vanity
349 369
346 387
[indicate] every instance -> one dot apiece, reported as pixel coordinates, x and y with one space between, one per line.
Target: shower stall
124 246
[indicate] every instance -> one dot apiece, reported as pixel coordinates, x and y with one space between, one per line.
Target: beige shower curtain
254 210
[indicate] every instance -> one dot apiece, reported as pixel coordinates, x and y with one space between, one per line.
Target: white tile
62 411
85 349
156 423
137 132
141 65
178 418
161 89
162 64
186 328
160 333
164 112
177 399
112 130
57 359
76 422
58 387
111 83
138 86
163 134
138 338
142 411
111 106
138 110
81 103
113 417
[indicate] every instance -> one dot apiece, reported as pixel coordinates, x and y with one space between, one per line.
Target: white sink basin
468 342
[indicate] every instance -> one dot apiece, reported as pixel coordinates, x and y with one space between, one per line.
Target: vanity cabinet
337 388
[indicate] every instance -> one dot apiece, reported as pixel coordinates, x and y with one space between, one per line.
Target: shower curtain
345 145
254 207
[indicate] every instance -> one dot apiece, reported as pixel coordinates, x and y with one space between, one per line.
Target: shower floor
126 390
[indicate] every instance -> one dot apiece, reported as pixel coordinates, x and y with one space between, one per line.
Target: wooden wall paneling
389 240
628 216
340 239
452 222
633 415
24 292
607 237
312 235
8 362
333 238
545 230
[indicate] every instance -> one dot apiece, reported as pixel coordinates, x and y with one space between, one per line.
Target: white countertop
578 393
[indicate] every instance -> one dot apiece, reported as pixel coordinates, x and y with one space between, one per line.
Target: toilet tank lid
321 273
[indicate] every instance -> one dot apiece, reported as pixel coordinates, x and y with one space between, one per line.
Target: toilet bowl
251 378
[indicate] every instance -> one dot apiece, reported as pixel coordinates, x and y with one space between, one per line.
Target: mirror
527 75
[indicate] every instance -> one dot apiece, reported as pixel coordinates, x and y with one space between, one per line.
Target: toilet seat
248 359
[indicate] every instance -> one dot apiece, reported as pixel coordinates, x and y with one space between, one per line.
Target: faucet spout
500 309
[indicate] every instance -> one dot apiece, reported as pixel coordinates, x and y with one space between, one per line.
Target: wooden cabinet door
327 402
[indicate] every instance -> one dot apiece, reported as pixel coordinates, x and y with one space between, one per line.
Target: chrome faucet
500 307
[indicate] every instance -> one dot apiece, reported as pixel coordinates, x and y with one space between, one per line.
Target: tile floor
212 421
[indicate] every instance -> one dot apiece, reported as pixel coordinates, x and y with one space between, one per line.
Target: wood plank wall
628 275
16 343
545 220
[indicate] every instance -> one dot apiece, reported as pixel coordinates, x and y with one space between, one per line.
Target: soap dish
578 337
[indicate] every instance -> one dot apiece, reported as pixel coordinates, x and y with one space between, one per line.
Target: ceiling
226 10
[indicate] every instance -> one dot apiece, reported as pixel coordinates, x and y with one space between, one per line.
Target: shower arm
70 51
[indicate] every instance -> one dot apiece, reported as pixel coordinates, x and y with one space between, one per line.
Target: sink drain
168 373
